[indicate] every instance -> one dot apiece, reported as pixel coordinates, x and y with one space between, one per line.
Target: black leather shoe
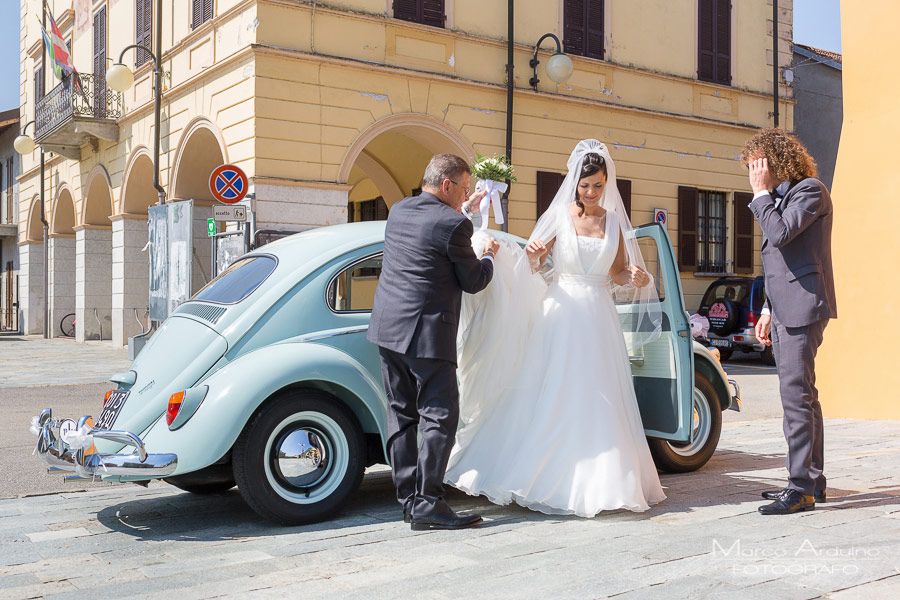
820 495
791 501
407 511
446 519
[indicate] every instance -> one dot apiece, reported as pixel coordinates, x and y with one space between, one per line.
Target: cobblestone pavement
705 541
27 361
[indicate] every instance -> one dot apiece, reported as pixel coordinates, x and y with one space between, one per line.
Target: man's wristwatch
489 253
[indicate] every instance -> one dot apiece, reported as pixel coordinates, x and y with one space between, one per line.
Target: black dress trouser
422 395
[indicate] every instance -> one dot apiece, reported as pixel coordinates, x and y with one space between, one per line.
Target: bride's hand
536 250
639 277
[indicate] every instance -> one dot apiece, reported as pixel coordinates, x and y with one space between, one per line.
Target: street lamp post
559 66
120 78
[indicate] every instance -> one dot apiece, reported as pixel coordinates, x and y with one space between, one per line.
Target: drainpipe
775 58
43 216
510 85
158 101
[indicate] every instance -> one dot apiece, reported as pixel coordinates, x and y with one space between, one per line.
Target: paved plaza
705 541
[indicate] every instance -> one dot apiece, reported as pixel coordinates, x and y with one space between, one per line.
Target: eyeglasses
466 190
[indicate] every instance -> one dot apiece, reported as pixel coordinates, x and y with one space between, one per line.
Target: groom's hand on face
761 178
762 330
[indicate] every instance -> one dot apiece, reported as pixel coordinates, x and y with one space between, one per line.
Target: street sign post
228 184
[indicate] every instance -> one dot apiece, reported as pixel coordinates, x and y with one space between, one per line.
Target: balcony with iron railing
66 119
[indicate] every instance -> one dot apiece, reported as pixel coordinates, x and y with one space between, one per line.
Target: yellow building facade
333 106
855 371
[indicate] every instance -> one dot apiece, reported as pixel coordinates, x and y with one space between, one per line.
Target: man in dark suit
795 212
428 263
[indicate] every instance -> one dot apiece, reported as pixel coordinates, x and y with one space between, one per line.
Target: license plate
111 410
720 343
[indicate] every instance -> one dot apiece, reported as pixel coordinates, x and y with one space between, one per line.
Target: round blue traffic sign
228 184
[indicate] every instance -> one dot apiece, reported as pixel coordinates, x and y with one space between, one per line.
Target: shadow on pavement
730 478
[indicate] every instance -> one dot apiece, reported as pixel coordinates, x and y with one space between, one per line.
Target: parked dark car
733 305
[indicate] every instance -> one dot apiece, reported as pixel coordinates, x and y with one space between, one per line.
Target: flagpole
43 215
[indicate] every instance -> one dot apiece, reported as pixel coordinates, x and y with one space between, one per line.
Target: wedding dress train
549 417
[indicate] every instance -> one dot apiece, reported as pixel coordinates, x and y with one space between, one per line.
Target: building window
143 27
710 232
10 177
714 41
100 63
38 83
583 27
425 12
368 210
201 12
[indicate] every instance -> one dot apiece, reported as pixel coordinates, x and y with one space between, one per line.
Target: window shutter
100 63
207 10
743 233
573 26
433 13
426 12
548 183
594 36
38 83
143 26
687 227
624 186
705 40
723 41
196 13
714 41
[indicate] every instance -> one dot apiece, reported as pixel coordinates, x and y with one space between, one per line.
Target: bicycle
67 325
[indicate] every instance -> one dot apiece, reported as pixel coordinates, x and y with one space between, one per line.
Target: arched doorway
93 260
201 150
387 161
31 272
61 289
130 263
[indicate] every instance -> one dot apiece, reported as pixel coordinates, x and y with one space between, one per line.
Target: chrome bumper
91 464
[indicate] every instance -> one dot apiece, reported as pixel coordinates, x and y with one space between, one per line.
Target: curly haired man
795 212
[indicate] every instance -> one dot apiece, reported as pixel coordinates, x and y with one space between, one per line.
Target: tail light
751 319
106 397
174 406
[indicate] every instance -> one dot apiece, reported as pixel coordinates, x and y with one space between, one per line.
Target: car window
353 290
759 298
237 281
736 291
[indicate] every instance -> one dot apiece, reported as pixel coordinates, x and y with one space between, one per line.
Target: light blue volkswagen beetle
265 380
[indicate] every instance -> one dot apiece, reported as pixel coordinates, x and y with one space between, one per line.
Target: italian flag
62 60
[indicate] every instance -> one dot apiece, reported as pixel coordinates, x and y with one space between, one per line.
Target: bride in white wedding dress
548 412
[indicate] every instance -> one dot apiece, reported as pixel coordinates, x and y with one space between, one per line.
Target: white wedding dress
549 417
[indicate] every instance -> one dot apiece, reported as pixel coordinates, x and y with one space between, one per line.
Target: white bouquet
491 173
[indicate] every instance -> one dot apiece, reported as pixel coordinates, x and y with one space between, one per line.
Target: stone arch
431 133
61 264
34 232
62 221
97 207
138 192
200 150
387 160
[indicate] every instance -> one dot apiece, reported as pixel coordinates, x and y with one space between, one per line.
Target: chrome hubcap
302 457
701 424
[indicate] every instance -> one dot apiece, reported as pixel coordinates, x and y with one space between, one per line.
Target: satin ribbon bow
492 197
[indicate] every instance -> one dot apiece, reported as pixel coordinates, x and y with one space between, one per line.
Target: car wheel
299 458
211 480
768 356
675 457
725 353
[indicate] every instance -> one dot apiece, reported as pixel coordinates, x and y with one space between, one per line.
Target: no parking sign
661 216
228 184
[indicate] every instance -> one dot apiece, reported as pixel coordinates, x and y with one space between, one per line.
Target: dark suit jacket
428 264
796 253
